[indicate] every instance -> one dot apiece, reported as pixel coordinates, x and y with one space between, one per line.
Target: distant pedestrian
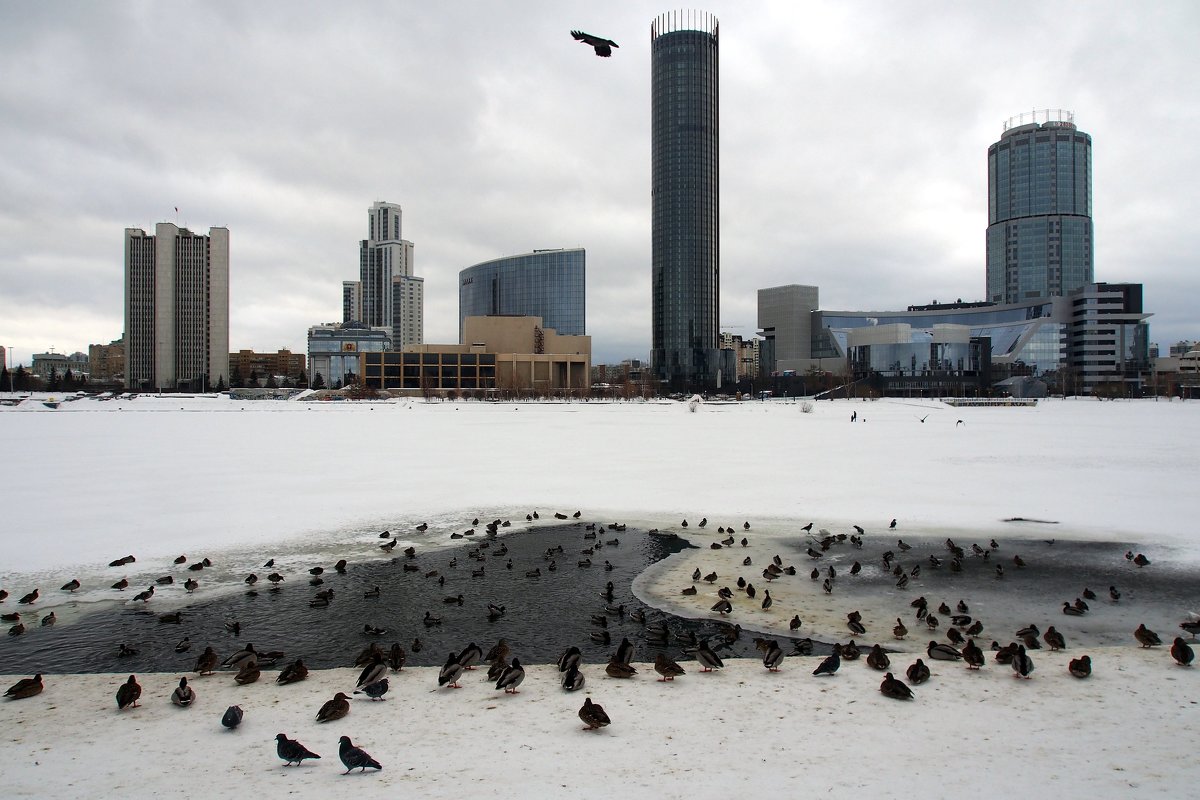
854 416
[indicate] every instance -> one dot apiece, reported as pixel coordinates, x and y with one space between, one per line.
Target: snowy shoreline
704 735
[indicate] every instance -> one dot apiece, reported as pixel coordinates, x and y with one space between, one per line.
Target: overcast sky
853 150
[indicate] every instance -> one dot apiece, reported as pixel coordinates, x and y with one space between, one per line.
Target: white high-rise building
176 308
388 294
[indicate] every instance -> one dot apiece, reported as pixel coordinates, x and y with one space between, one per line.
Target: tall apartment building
684 188
176 308
386 294
1039 236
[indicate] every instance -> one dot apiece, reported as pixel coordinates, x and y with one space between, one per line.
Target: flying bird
603 46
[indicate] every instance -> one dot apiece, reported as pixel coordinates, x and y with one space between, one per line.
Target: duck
430 620
972 655
372 672
396 657
1070 610
208 661
899 630
601 637
121 585
334 709
291 751
183 696
241 657
895 688
855 624
128 693
722 607
1140 560
767 602
709 660
470 655
26 687
850 651
593 715
1080 667
1147 637
451 671
831 663
1022 664
917 672
942 652
355 757
191 585
71 585
877 659
49 619
1181 652
512 677
1004 655
248 673
572 678
371 594
1191 627
371 630
292 673
772 653
183 645
624 652
667 668
1054 639
615 669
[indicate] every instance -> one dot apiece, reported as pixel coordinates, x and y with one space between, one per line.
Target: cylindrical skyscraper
685 181
1039 236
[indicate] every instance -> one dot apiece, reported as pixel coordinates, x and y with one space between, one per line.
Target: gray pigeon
355 757
376 690
232 717
292 751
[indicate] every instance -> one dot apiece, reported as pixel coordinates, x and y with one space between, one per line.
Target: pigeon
376 690
291 751
355 757
831 663
336 708
128 694
593 715
183 696
232 717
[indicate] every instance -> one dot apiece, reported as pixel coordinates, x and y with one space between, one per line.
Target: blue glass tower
685 181
545 283
1039 236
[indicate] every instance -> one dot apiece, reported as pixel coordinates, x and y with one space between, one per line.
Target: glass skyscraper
686 243
545 283
1039 236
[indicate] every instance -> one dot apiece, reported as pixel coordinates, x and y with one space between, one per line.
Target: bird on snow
292 673
355 757
877 659
1147 637
772 653
128 693
336 708
450 673
667 668
291 751
831 663
918 672
615 669
572 679
376 690
942 652
1022 664
183 696
709 660
593 715
1181 652
372 672
232 717
206 664
1080 667
26 687
625 651
1054 638
895 688
512 677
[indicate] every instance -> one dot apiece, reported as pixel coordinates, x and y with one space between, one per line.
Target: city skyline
853 148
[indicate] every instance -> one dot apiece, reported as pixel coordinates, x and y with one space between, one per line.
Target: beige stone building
107 361
284 363
498 354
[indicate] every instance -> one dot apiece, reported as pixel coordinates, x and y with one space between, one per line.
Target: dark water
544 615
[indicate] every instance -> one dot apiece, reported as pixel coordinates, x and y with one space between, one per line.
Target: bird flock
505 673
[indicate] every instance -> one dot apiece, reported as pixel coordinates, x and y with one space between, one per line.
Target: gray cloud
853 142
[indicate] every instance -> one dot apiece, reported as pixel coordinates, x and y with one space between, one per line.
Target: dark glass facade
545 283
1039 236
685 251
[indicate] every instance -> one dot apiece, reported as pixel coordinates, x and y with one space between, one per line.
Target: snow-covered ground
95 480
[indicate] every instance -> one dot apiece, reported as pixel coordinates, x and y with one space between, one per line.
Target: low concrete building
334 351
498 354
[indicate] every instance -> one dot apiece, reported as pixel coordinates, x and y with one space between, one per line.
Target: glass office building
684 174
545 283
1039 236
